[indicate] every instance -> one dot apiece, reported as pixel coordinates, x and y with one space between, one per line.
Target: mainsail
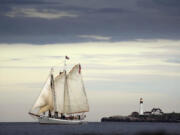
45 99
75 95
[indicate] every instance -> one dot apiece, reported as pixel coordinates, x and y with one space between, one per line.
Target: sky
127 49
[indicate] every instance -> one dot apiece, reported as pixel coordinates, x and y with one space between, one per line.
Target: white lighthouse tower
141 107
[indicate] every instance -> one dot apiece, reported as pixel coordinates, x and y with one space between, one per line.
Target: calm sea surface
92 128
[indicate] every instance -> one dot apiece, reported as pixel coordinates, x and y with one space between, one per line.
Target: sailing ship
63 98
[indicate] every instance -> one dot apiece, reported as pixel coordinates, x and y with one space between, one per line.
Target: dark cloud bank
121 20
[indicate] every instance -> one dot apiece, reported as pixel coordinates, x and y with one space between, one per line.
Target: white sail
75 95
45 99
59 92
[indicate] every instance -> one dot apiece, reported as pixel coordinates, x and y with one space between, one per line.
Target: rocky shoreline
166 117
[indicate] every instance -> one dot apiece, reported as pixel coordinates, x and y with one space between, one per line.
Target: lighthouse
141 107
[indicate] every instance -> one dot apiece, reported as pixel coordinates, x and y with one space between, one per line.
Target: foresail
59 92
75 95
45 99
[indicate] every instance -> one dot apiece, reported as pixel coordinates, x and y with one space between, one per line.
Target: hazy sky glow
127 50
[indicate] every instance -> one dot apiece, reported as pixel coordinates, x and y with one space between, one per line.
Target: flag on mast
66 57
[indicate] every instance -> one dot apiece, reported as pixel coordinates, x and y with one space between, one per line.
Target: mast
54 94
65 82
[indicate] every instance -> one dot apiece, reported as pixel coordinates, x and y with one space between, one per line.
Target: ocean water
92 128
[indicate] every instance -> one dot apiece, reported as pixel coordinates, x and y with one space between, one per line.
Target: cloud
95 37
160 3
15 59
173 61
24 2
120 20
161 7
106 60
111 10
34 13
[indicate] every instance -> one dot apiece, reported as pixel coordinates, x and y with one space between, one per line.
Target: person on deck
62 116
49 114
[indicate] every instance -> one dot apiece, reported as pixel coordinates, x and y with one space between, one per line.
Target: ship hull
47 120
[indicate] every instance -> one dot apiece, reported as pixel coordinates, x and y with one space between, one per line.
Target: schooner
63 98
